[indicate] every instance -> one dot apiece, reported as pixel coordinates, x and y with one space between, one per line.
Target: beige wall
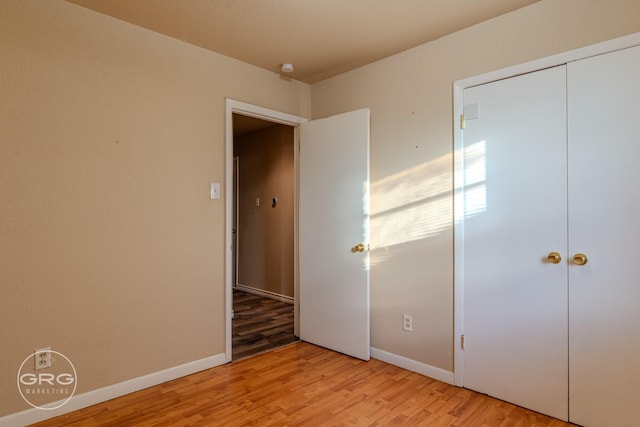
111 250
410 97
265 234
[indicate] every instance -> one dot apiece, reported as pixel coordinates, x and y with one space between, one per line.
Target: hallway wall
265 233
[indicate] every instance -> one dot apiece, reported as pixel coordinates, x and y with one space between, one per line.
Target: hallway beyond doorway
260 324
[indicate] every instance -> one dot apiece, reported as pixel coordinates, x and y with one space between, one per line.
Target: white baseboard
411 365
116 390
263 293
93 397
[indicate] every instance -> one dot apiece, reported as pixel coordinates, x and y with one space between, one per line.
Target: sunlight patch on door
473 186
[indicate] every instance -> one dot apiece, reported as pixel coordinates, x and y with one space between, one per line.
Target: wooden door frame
250 110
458 163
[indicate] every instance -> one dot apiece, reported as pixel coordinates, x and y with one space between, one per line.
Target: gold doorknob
554 258
358 248
580 259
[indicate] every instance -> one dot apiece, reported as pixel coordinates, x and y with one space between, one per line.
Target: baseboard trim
93 397
414 366
263 293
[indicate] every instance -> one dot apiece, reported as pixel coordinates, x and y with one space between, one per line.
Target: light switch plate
214 190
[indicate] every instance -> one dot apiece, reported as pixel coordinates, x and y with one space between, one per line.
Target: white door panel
515 301
604 209
334 217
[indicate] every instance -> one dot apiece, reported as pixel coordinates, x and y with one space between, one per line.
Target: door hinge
462 342
462 123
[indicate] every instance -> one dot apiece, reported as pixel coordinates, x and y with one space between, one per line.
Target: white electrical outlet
42 358
407 322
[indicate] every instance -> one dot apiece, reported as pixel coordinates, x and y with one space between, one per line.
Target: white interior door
604 208
333 220
515 214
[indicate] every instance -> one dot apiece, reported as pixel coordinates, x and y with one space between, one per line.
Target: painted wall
410 97
265 233
110 134
111 250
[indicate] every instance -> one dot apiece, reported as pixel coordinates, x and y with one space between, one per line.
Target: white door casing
515 312
334 219
238 107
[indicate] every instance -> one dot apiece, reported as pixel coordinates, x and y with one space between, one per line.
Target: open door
334 233
332 220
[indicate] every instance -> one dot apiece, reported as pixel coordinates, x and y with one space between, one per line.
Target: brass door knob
554 258
580 259
358 248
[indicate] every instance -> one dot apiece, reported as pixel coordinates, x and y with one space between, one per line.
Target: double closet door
551 240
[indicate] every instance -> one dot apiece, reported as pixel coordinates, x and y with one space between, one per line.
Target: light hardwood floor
304 385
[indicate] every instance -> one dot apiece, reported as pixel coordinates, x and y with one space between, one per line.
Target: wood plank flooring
260 324
304 385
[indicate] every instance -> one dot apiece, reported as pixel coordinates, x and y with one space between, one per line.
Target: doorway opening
263 236
242 109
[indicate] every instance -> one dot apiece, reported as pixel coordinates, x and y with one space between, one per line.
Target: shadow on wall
411 260
416 204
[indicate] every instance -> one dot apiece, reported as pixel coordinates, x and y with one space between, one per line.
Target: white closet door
604 215
515 301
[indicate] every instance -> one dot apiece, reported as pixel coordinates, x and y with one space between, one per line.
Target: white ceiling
321 38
